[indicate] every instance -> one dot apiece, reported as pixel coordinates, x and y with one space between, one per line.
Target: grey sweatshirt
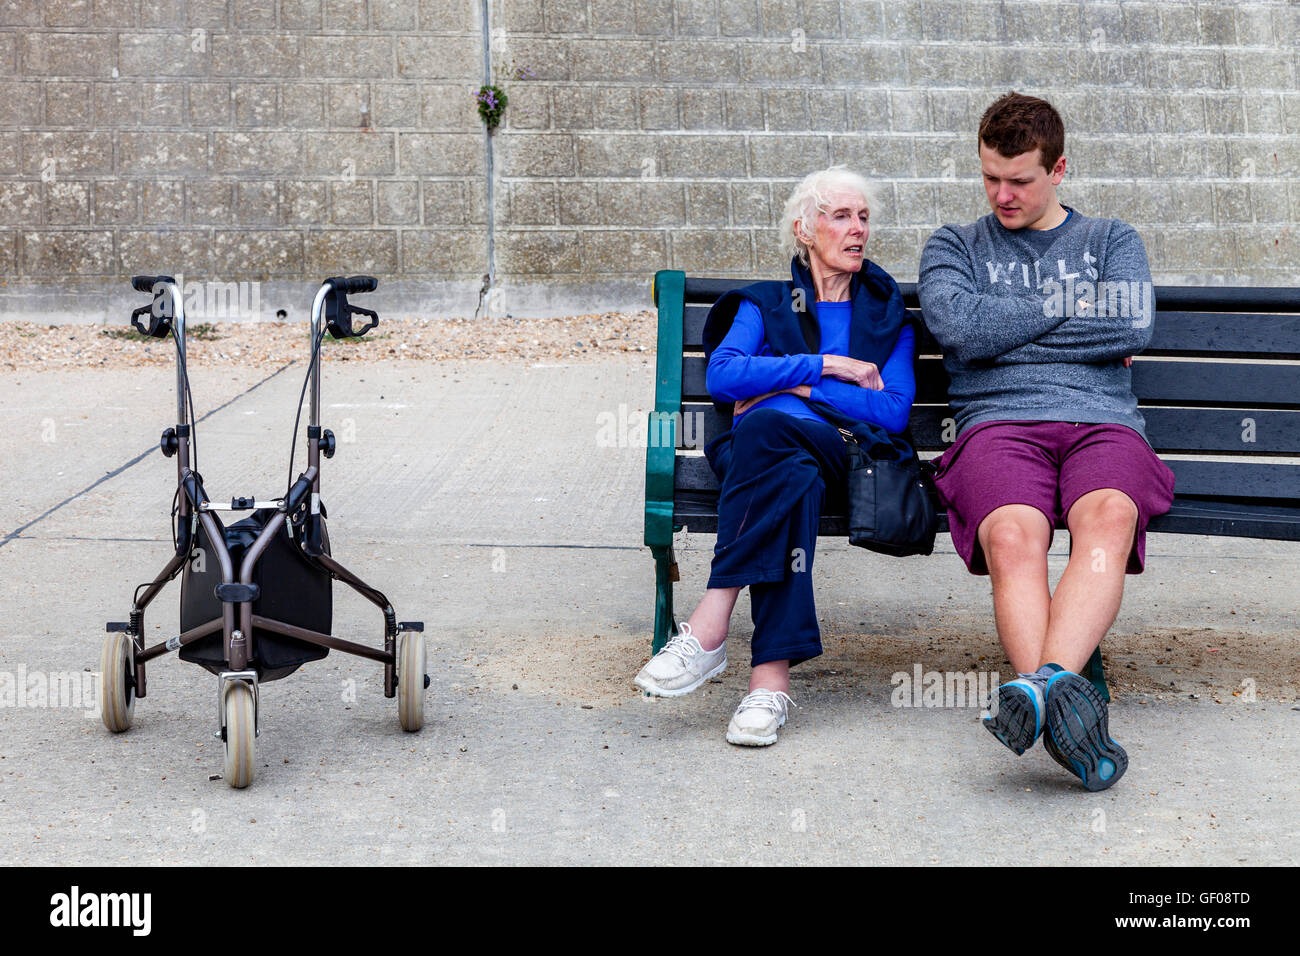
1035 324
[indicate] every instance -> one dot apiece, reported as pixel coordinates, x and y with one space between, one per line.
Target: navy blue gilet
877 315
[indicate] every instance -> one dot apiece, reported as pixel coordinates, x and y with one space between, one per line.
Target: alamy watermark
74 689
628 428
75 908
211 300
1122 300
922 688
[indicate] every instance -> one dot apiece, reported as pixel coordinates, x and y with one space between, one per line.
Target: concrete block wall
283 140
270 141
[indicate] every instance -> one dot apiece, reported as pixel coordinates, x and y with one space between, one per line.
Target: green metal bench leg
1093 671
665 574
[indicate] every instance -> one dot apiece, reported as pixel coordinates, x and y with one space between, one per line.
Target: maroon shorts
1049 466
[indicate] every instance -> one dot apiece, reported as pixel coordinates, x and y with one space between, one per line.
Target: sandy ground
1209 665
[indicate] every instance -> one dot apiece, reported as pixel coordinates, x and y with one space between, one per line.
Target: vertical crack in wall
490 275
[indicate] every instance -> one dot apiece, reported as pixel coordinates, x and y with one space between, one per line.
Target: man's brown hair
1016 124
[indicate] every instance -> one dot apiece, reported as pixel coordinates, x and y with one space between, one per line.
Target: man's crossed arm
1091 322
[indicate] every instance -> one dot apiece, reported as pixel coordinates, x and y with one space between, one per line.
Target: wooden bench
1219 389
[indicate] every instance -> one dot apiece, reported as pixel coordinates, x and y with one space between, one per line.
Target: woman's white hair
811 197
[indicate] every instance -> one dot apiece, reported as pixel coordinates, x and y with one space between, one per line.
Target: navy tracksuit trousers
778 473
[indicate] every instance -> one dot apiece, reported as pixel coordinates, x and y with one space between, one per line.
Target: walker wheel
240 735
410 680
117 683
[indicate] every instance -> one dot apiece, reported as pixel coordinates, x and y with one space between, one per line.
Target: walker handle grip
147 283
354 284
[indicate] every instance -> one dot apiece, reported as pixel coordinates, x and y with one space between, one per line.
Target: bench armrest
669 293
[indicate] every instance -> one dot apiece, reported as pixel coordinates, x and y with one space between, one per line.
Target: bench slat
1230 383
1177 331
1176 297
1235 479
1192 334
1229 520
1243 384
693 326
1225 479
698 513
1172 430
694 474
1211 431
1225 334
1228 298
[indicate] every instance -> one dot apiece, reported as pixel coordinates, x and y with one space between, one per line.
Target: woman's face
838 235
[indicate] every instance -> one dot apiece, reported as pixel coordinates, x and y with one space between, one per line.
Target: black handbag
890 493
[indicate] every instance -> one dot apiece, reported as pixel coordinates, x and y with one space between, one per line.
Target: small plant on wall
491 104
492 99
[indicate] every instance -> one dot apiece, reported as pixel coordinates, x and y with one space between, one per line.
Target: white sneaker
759 716
681 666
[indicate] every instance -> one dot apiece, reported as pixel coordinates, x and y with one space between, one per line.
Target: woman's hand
854 371
745 404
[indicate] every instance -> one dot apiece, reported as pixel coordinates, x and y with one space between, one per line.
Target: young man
1039 310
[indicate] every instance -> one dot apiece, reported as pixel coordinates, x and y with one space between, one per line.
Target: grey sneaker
681 666
757 719
1078 732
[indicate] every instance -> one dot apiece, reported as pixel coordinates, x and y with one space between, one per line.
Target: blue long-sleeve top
743 366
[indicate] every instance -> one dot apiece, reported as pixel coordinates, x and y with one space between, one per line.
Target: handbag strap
834 415
877 442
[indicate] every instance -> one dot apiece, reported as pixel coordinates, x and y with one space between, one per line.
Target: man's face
1021 192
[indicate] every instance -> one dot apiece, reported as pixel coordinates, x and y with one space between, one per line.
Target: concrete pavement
477 496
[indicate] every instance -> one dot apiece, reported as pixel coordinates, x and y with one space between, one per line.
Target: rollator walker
256 594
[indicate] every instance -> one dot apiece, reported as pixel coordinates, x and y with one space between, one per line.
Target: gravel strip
572 338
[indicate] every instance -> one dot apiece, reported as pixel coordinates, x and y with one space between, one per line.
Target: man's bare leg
1015 540
1087 597
1062 629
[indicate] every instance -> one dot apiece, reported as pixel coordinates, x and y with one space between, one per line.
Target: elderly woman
837 335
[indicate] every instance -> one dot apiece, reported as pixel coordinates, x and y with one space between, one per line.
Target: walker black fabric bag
891 506
293 591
